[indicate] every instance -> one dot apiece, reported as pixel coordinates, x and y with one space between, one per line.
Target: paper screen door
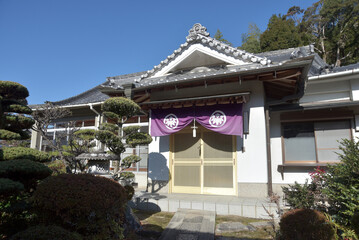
204 164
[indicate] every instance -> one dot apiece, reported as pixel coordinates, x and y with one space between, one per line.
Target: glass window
298 137
314 142
328 135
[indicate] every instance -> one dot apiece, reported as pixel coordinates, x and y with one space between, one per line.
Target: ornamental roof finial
195 30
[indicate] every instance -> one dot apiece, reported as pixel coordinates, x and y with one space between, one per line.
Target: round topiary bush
92 206
46 233
120 106
308 224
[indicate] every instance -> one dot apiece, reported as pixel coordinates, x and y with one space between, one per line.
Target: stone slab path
189 224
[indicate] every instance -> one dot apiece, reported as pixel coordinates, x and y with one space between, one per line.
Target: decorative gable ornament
195 30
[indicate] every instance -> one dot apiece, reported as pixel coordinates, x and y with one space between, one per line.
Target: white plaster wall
252 163
355 89
326 91
158 159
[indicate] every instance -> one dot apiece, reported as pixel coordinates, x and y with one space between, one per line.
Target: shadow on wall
158 172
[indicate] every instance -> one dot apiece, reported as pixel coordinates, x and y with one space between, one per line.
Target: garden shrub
57 167
300 195
12 153
25 171
341 184
308 224
92 206
130 192
9 187
46 233
355 223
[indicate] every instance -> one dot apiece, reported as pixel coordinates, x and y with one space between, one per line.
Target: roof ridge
198 33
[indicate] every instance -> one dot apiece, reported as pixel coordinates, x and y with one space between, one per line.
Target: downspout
94 110
269 156
97 123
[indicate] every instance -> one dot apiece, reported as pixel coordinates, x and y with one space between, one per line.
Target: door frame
193 190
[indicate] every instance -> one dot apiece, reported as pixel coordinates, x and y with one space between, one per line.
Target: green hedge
92 206
12 153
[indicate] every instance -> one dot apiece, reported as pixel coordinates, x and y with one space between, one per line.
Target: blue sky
60 48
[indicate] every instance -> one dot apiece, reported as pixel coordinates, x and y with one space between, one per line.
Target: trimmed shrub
138 138
120 106
25 171
299 224
92 206
46 233
13 90
11 153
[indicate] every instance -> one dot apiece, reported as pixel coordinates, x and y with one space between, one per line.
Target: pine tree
281 33
116 138
250 40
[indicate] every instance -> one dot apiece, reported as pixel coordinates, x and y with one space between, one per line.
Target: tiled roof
94 95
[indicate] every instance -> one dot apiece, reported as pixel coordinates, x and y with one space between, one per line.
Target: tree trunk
338 61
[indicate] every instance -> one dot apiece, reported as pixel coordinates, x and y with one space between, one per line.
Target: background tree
116 138
281 33
79 141
219 37
251 40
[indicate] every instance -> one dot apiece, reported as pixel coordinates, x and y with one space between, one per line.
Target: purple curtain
222 118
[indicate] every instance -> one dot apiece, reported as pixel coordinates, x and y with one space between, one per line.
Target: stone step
188 224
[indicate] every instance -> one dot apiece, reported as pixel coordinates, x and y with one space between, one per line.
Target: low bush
46 233
308 224
300 195
12 153
92 206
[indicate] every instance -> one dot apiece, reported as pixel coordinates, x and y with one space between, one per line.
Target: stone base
258 190
157 186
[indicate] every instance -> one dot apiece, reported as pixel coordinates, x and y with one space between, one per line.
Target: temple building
228 122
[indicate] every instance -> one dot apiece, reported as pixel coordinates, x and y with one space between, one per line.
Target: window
141 151
314 142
